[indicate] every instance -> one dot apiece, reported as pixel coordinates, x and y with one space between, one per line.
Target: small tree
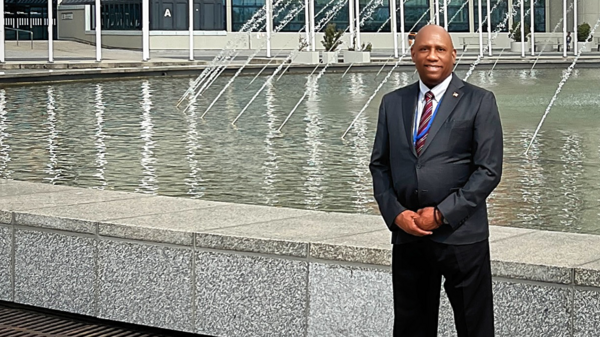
583 31
515 32
332 37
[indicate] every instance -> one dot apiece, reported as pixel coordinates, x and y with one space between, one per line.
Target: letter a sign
167 13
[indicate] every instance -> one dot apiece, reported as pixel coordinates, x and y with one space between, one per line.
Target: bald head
435 30
433 54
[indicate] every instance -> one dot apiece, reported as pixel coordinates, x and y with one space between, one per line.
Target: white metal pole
98 16
523 28
437 12
574 35
312 26
532 26
402 32
269 25
564 28
357 20
307 23
50 31
145 30
191 27
480 27
489 27
351 21
394 27
446 14
2 54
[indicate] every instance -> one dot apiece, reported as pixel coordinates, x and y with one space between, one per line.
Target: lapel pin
455 94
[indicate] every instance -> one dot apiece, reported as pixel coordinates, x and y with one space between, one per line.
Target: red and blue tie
425 118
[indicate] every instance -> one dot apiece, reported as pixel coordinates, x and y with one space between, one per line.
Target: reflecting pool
128 136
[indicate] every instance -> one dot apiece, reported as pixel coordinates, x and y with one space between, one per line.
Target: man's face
433 55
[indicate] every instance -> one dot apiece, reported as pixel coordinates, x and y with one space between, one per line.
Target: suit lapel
409 106
451 98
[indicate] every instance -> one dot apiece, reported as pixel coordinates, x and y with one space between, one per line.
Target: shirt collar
438 91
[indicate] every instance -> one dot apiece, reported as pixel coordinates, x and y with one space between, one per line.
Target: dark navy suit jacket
459 166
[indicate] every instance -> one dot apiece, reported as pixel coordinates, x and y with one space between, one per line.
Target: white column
523 28
98 16
574 35
351 21
312 26
2 54
307 22
565 28
394 27
489 27
269 25
145 30
446 14
50 32
437 12
480 27
402 32
191 27
532 28
357 20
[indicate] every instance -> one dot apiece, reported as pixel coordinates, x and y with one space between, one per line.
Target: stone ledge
553 257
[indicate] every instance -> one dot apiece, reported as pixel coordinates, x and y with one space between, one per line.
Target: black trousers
417 270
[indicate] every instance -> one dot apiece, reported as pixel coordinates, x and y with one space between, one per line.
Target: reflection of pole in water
51 167
313 188
194 180
100 135
572 158
4 147
360 157
270 165
148 182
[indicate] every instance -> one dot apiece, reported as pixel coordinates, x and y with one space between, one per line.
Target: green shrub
515 32
583 31
331 39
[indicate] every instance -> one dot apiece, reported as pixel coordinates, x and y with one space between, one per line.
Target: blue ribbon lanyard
417 136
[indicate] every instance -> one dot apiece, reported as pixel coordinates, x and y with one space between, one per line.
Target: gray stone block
153 232
367 248
140 205
543 273
5 217
69 196
5 268
587 313
55 271
349 301
498 233
588 275
239 295
243 244
557 252
525 310
53 222
145 284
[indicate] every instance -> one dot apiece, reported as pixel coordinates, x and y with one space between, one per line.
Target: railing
24 31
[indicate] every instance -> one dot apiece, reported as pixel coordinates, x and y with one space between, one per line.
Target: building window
413 11
458 16
119 16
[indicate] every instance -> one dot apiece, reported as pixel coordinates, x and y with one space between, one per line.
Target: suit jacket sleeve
381 172
487 161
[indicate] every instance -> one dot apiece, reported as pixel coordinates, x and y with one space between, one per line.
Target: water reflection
100 136
52 169
149 182
270 164
4 147
104 134
313 170
194 180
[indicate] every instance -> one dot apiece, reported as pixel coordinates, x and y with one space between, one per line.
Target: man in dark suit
437 156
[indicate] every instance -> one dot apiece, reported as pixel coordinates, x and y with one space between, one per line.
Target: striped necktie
425 119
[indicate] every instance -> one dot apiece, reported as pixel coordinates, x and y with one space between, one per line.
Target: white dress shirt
438 92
